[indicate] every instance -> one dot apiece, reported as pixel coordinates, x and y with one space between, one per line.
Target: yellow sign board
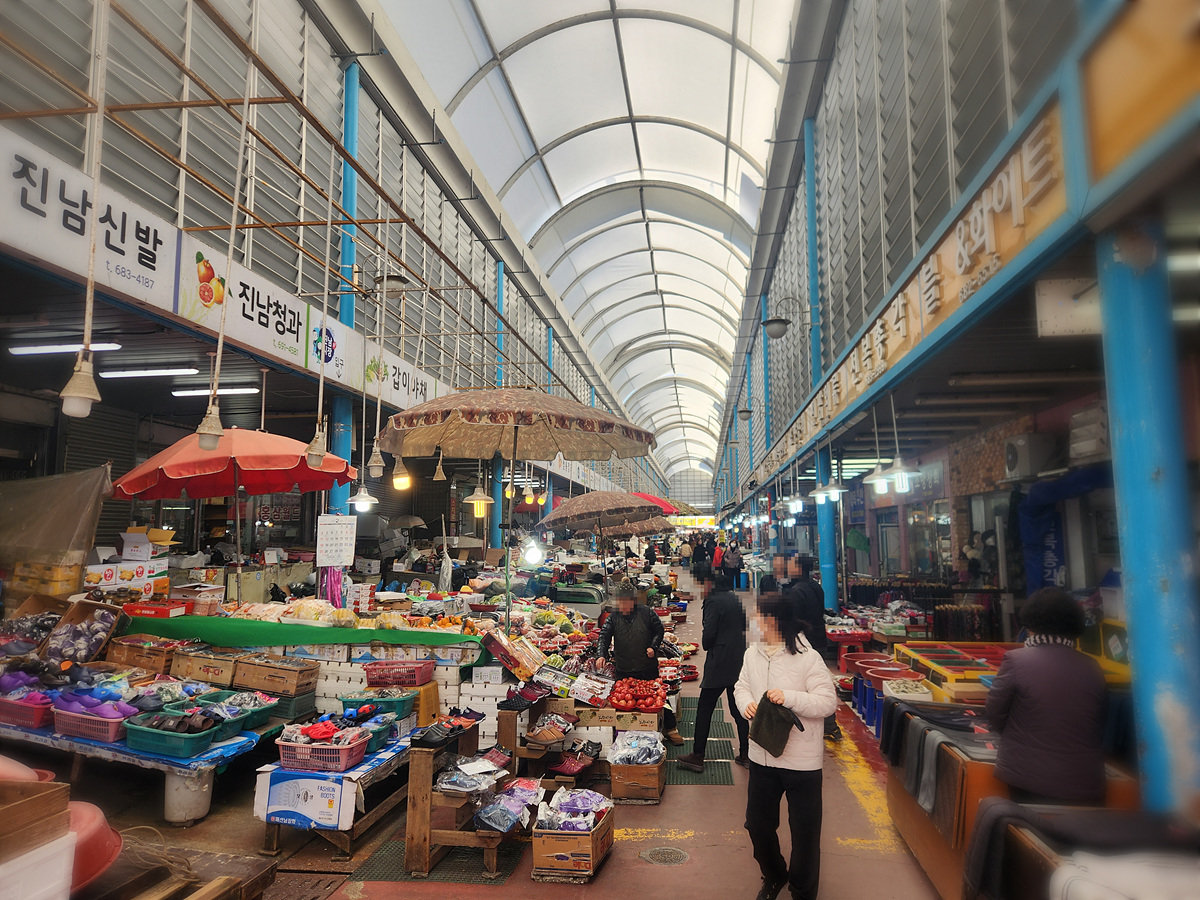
693 521
1024 195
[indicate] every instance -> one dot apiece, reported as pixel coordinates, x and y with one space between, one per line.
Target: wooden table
219 876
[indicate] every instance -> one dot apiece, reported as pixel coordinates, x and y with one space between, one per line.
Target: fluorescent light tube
39 349
203 392
147 373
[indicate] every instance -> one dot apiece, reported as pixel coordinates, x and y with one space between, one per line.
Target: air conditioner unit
1027 454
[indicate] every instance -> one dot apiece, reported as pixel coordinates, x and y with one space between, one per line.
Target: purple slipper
125 709
68 706
107 711
81 699
36 698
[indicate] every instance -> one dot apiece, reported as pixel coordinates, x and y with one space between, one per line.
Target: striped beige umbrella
656 525
517 423
600 509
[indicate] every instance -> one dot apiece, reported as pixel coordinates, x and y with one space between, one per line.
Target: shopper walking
1047 703
775 581
809 602
784 670
630 637
732 563
685 555
724 642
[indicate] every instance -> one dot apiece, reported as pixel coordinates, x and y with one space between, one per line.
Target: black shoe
742 760
770 890
835 735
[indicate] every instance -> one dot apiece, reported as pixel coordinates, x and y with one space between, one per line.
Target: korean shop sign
46 214
1024 195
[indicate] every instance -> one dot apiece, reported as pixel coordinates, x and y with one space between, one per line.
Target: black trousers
767 787
709 698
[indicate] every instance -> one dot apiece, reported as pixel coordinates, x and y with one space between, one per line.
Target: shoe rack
436 821
507 735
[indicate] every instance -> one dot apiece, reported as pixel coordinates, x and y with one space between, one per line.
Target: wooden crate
32 813
285 675
639 782
571 854
152 659
202 665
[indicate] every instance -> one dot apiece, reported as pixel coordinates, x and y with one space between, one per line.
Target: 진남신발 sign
1025 194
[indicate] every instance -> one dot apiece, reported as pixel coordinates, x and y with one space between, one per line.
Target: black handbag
772 725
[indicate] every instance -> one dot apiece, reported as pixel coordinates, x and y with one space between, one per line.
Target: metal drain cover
664 856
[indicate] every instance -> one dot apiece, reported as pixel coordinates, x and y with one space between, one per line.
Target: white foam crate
43 873
450 675
484 689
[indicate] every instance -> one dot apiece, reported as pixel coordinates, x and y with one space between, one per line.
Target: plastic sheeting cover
52 520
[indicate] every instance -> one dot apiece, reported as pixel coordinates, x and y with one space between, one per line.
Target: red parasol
668 508
259 462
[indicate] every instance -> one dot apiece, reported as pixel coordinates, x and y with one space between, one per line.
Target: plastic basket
138 737
227 729
291 708
251 719
380 735
24 715
95 727
396 673
322 758
401 706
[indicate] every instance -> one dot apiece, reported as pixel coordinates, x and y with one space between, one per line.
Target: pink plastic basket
322 758
398 674
24 715
95 727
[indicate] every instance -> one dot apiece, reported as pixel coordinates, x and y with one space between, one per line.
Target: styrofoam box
480 689
447 674
488 674
43 873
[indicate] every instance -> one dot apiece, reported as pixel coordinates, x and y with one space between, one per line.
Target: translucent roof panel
627 141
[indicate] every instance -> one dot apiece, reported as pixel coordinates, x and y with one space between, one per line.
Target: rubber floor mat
712 750
718 729
715 772
462 865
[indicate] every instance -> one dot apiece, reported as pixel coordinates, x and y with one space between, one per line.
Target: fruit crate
397 673
401 706
24 715
168 743
322 758
127 651
273 674
96 728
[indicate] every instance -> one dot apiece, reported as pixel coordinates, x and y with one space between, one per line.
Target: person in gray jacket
1047 704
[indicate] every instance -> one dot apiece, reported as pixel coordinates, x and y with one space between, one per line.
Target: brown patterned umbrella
479 424
606 509
656 525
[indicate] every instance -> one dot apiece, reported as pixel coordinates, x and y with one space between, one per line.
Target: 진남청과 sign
1025 194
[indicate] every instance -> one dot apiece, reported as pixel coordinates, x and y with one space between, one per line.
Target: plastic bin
397 673
401 706
139 737
322 758
380 735
291 708
96 728
24 715
252 719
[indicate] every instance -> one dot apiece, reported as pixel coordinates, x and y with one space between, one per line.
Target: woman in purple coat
1047 704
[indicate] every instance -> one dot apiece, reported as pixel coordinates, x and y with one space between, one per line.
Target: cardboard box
208 576
38 603
167 610
142 543
487 675
197 590
214 665
102 575
572 852
591 688
305 799
273 676
328 652
591 717
377 651
32 813
366 566
635 721
639 782
519 656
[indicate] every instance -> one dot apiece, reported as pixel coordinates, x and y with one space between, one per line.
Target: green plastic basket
402 706
139 737
252 719
291 708
226 729
379 736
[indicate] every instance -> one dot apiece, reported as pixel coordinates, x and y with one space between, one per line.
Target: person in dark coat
775 581
809 602
724 642
1047 704
701 561
631 635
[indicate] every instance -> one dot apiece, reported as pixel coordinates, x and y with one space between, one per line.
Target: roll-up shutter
107 435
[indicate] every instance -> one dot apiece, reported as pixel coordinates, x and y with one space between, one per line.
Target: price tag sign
335 540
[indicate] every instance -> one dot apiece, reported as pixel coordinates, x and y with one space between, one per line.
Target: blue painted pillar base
341 433
549 507
827 536
1158 565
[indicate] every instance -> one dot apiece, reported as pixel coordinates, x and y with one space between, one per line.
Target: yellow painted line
864 785
653 834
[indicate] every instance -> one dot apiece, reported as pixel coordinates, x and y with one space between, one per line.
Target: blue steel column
342 408
766 371
592 401
496 534
749 406
499 324
1158 566
814 275
549 507
827 536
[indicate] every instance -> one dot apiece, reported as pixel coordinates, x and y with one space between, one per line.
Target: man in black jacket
632 634
776 581
724 641
809 601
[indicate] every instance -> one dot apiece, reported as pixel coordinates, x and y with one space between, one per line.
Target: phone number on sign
130 275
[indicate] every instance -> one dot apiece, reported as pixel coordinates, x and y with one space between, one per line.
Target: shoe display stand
425 844
508 737
392 770
187 794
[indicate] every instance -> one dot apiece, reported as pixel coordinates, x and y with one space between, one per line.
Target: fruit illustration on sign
212 288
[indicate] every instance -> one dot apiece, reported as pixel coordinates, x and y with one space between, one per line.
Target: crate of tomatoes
638 695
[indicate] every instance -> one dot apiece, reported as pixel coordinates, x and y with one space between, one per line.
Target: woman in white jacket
785 668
